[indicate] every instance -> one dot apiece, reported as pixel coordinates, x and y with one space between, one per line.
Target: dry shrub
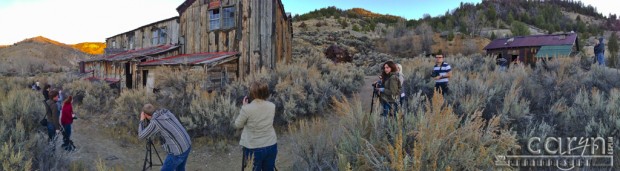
23 140
177 87
211 115
316 142
432 137
122 124
303 88
92 97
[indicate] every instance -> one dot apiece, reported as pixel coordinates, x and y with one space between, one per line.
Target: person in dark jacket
53 124
390 93
599 51
46 92
501 62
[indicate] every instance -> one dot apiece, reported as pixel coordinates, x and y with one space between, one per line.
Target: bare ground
93 144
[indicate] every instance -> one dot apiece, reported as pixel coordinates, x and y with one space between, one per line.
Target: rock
338 54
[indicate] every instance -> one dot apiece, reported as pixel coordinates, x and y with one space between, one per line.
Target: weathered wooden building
260 31
228 39
154 34
126 50
528 49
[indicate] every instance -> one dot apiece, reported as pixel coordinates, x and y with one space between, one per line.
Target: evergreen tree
519 29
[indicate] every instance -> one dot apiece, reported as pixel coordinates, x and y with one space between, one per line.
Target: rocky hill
373 38
37 55
93 48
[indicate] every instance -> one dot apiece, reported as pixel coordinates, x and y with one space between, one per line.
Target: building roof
208 58
130 54
554 51
184 6
536 40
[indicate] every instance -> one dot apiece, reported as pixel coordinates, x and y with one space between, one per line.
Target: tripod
148 158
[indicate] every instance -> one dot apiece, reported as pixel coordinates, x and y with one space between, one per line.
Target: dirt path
93 144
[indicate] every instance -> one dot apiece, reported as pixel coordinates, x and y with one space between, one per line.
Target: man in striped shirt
443 72
177 142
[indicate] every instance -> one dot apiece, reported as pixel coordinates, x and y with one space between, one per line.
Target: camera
434 74
249 98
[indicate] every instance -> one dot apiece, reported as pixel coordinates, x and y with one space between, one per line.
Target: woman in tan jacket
258 138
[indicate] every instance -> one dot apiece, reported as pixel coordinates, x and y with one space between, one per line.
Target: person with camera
441 73
66 120
389 94
258 137
177 142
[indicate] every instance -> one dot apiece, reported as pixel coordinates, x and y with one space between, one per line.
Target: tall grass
488 112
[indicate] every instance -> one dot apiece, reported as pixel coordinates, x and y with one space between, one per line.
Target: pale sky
75 21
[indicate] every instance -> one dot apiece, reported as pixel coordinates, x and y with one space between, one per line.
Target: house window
155 38
131 40
229 17
162 36
159 36
113 43
214 19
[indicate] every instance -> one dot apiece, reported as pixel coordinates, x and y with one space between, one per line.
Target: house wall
262 32
143 35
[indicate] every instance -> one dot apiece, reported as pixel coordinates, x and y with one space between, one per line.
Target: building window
162 36
113 43
131 40
155 38
229 17
214 19
159 36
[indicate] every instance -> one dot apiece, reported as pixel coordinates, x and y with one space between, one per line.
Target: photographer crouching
177 142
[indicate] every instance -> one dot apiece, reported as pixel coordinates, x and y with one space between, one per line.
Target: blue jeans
177 162
51 130
387 108
264 157
66 135
600 57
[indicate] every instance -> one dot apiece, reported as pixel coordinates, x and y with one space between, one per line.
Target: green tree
451 36
613 47
510 18
519 29
493 36
492 14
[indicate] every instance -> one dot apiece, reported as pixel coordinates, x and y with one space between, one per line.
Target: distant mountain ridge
39 55
93 48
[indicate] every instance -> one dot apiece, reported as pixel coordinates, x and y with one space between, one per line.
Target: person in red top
66 119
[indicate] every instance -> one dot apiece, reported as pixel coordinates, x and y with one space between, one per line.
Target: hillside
93 48
38 54
465 29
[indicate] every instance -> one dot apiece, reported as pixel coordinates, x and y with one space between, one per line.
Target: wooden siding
218 75
262 33
143 35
